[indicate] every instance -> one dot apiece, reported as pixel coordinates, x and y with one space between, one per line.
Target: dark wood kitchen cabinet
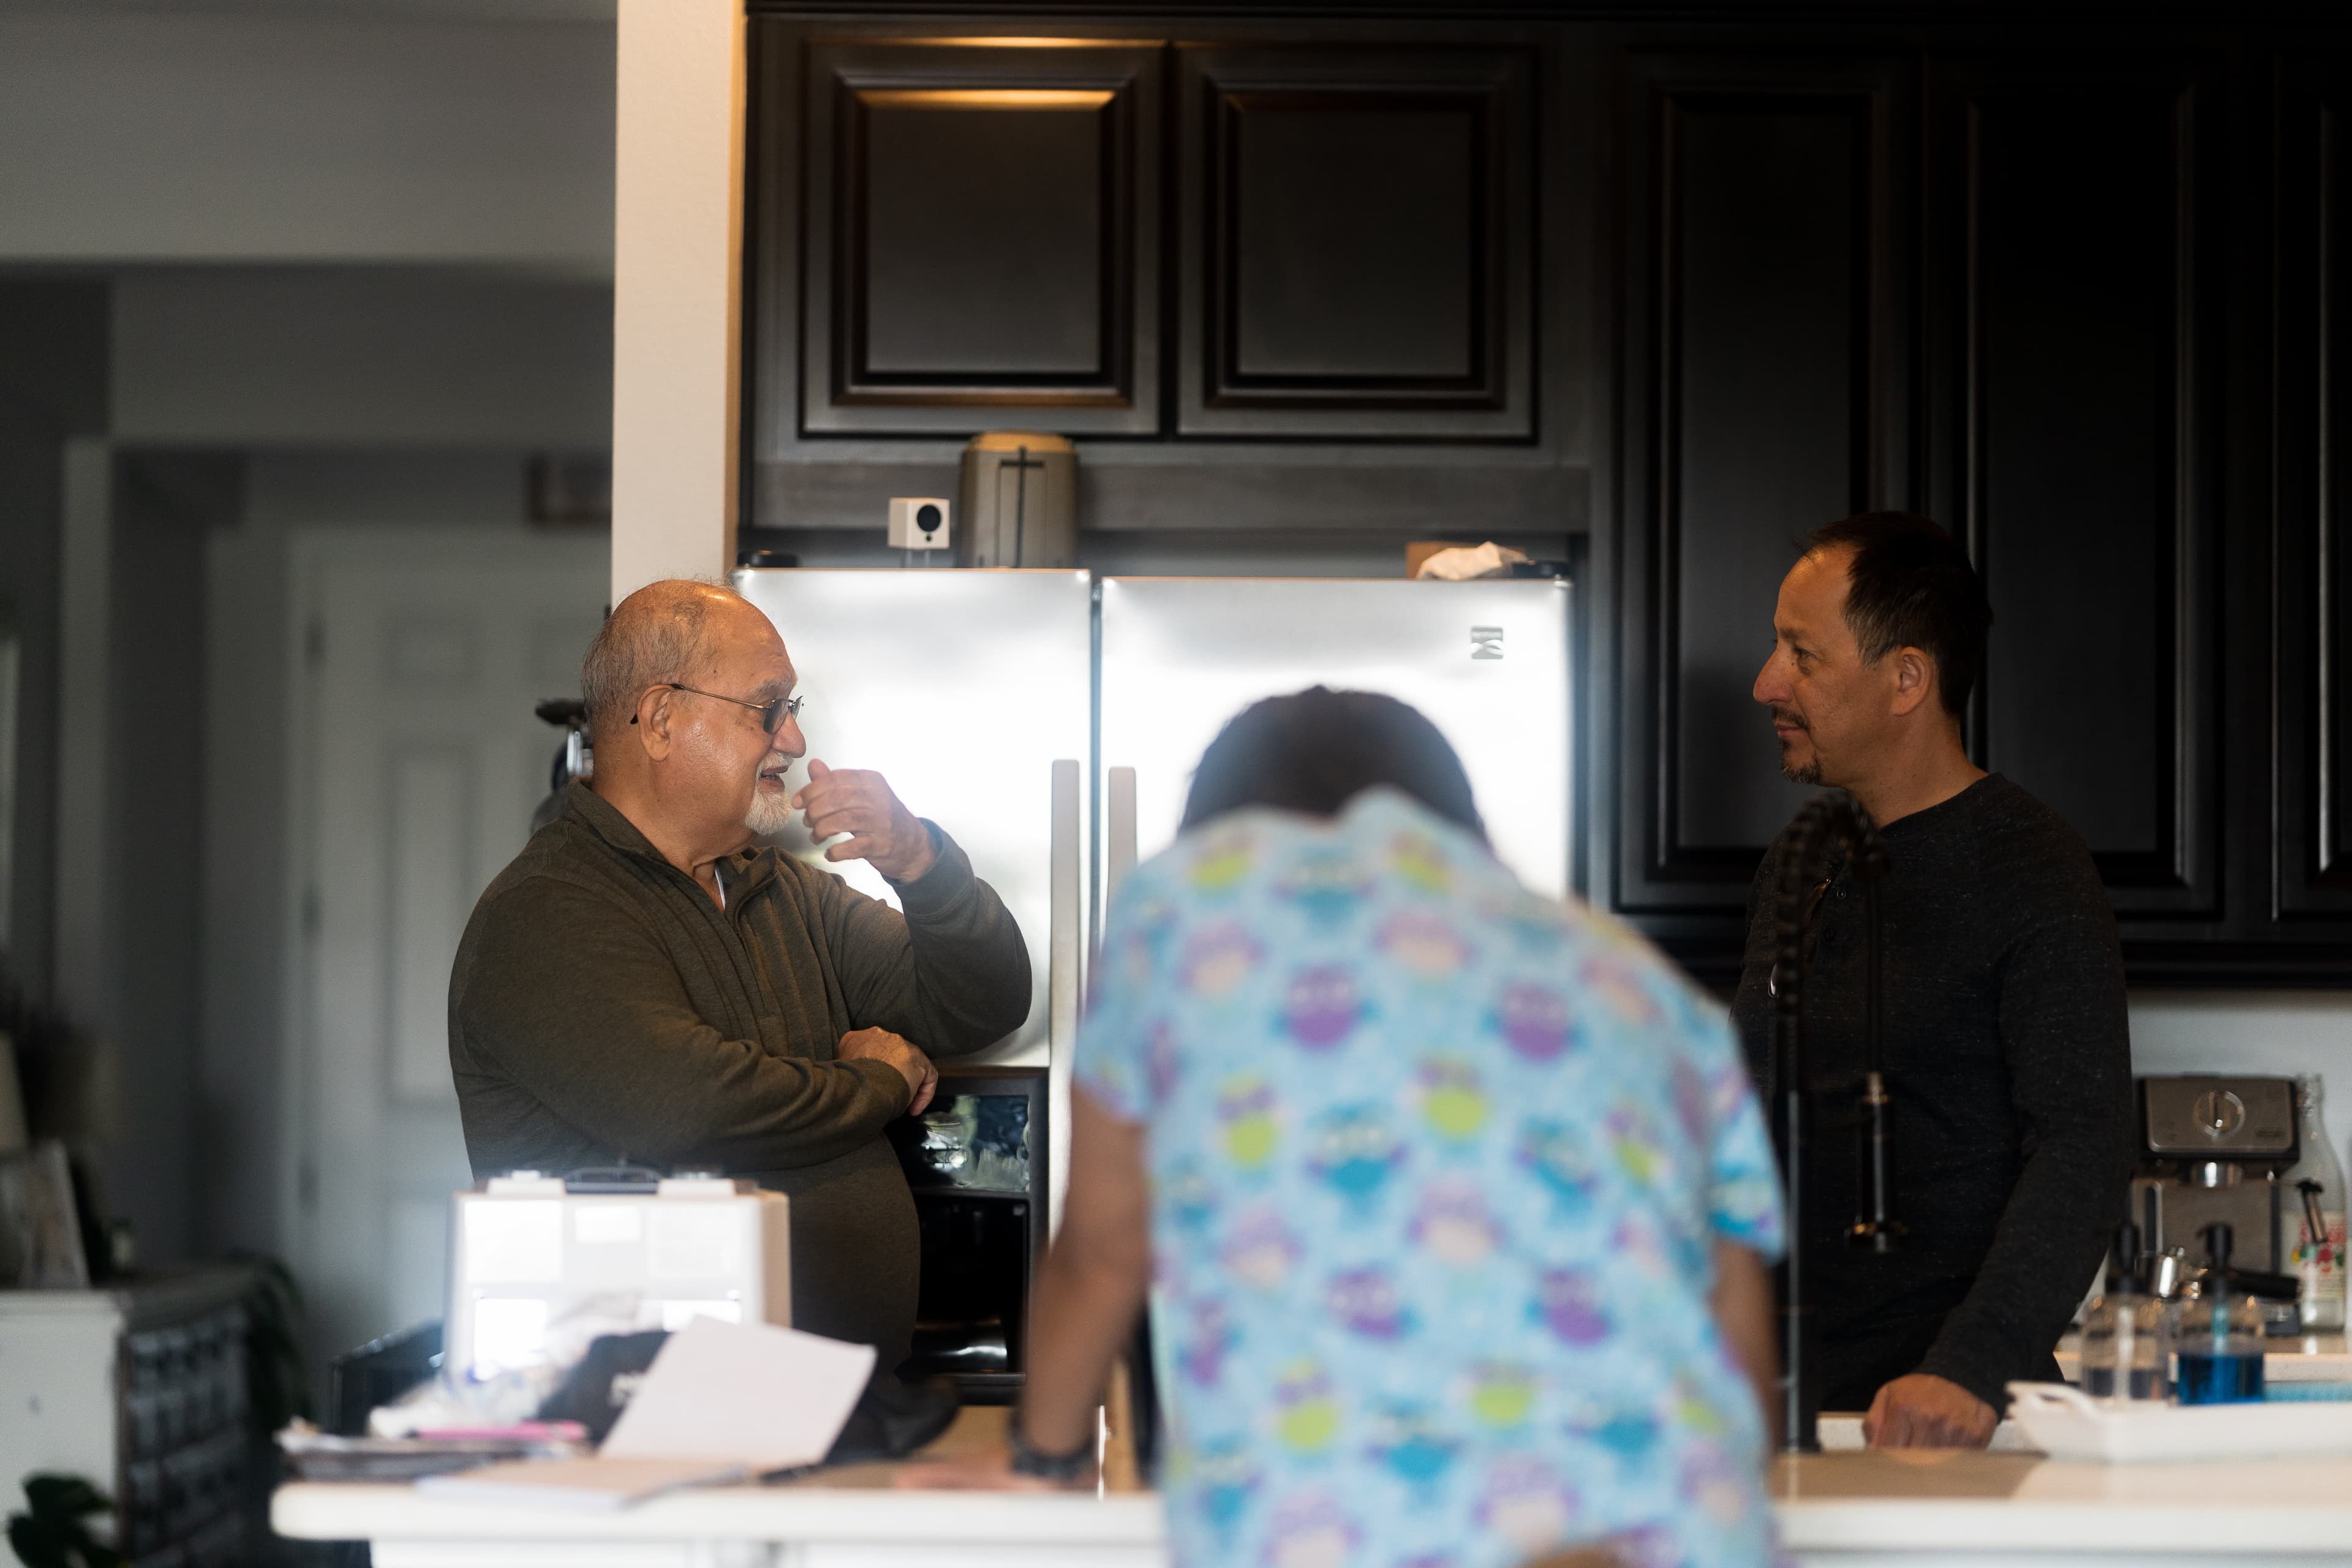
980 241
1355 238
1345 251
1691 282
2308 595
2074 390
1768 331
1984 283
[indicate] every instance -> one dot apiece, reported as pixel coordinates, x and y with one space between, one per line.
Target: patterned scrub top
1436 1165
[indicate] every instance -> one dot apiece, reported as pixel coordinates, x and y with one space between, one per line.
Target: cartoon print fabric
1436 1168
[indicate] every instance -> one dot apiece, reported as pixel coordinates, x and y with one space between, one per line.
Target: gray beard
770 813
1808 774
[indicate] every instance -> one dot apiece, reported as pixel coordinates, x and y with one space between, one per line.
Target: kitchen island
1924 1509
1929 1508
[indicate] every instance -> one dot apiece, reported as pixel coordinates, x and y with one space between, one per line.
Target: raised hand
881 831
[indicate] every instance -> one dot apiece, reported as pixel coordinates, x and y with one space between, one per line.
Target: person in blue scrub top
1457 1199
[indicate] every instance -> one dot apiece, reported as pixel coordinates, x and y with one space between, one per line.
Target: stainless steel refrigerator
1486 661
971 691
979 693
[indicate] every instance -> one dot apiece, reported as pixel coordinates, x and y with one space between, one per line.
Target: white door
420 655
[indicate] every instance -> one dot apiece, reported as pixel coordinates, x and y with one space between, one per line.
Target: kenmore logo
1485 642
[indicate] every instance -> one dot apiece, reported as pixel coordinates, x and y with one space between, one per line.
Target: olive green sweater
603 1005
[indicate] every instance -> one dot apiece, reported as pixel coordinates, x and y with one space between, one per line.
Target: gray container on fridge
1020 501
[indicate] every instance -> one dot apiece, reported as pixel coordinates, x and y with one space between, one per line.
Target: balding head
682 687
660 633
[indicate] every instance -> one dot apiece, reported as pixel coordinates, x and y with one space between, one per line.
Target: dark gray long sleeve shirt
2009 1060
601 1004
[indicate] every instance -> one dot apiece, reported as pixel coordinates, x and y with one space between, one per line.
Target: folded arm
584 1009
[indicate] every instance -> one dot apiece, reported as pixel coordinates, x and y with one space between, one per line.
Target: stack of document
722 1402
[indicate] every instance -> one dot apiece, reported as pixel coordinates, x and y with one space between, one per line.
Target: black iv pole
1831 817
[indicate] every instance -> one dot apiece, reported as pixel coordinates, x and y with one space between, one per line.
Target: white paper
771 1397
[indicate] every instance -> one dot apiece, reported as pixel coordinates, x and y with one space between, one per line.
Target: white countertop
1929 1501
1830 1505
844 1509
859 1508
1835 1508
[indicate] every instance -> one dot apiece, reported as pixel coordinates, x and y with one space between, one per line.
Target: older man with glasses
646 981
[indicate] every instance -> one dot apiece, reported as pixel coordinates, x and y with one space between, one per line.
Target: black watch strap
1028 1461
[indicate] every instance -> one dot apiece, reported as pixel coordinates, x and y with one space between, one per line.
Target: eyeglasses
772 713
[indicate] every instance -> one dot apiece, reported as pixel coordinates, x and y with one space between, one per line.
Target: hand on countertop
881 1044
1923 1411
882 832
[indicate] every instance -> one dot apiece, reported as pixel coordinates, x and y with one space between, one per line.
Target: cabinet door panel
1765 296
945 229
1357 242
981 238
2071 237
2312 591
1346 226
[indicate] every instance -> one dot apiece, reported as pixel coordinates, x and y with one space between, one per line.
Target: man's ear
655 709
1915 680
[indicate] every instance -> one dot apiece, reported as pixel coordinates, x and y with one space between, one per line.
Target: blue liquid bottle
2221 1339
2229 1378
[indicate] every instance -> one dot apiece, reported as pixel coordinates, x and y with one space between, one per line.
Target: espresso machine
2216 1148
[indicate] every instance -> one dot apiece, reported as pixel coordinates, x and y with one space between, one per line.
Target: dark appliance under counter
978 1162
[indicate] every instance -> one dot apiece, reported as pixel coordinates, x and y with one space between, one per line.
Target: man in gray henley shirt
2007 1050
646 981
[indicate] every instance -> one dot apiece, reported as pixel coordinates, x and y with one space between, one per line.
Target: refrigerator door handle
1119 808
1064 920
1065 936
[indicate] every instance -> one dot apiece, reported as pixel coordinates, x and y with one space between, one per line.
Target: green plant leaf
63 1498
35 1545
54 1537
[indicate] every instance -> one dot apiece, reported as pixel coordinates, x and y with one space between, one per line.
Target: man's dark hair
1316 750
1910 584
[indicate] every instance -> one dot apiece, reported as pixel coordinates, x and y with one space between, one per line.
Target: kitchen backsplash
2267 1032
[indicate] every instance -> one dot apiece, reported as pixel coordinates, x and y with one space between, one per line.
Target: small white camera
918 522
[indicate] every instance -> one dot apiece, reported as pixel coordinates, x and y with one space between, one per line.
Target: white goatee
771 808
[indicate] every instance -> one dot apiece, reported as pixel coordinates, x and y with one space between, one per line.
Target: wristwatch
1028 1461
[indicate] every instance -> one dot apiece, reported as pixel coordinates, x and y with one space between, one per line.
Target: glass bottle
2221 1346
2220 1336
2126 1343
2315 1191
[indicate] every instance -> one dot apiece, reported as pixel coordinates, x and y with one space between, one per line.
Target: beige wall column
676 262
